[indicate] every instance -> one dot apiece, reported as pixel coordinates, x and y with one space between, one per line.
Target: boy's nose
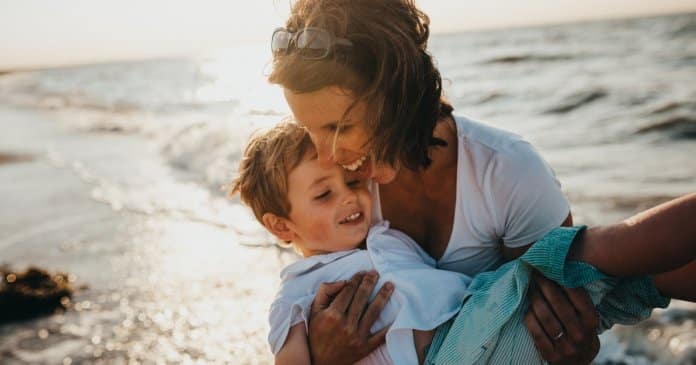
349 197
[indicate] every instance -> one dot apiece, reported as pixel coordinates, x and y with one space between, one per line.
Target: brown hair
269 157
387 67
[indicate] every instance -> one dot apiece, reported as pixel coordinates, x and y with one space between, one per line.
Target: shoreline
157 286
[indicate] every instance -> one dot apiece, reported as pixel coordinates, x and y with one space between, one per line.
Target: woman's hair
388 68
269 157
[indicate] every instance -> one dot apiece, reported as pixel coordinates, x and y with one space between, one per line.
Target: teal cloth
489 329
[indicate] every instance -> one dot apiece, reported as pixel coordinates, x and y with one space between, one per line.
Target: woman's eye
354 183
333 127
322 195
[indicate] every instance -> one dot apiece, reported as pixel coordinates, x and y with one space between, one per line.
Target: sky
37 33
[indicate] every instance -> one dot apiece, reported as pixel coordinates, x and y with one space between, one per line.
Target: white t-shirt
423 298
506 194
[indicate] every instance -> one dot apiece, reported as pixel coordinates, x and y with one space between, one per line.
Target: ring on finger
559 335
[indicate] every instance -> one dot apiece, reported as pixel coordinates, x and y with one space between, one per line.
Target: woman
357 75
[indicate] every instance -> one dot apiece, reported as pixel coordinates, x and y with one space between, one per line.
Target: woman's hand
341 318
562 322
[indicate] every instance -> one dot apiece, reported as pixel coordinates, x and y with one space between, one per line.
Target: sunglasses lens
314 43
280 41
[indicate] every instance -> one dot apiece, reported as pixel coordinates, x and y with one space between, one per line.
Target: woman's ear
278 226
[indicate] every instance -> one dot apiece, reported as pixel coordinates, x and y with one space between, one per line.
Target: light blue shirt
423 298
489 329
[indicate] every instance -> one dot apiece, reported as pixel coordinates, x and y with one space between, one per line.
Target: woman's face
321 112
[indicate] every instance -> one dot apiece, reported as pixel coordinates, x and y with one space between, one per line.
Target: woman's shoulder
483 144
477 149
473 133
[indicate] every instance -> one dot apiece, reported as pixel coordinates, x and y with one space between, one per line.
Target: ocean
115 173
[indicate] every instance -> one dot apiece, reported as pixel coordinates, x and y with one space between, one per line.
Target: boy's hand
341 318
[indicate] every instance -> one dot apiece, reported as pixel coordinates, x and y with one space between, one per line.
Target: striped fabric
489 329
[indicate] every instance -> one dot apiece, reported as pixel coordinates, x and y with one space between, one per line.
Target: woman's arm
341 318
531 202
511 253
554 309
295 351
660 241
679 283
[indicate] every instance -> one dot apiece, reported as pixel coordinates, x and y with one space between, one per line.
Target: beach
114 173
154 287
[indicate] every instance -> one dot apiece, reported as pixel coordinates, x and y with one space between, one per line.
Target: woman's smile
355 165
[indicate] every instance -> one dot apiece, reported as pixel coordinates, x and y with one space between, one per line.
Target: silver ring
558 336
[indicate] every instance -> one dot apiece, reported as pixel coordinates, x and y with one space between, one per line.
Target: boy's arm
295 350
422 340
658 240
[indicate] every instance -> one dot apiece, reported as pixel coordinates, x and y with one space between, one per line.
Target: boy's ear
278 226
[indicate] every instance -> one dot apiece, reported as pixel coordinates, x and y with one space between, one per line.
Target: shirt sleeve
526 196
619 300
282 316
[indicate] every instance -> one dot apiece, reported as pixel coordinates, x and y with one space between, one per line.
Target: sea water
123 186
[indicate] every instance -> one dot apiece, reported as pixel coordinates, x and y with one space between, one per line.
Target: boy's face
330 208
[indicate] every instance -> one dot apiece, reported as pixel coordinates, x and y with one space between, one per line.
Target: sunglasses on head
311 43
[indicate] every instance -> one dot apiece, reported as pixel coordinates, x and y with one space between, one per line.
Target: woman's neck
421 202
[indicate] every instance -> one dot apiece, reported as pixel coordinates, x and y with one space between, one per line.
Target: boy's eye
322 195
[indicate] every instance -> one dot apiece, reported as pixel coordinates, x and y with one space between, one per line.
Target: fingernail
389 286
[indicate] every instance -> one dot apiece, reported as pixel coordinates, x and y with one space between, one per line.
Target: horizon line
193 52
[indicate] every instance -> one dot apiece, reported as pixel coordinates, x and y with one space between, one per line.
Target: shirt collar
311 263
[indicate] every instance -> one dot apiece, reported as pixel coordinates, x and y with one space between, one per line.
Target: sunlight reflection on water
125 193
186 293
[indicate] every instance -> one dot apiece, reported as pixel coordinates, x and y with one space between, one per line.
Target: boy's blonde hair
269 157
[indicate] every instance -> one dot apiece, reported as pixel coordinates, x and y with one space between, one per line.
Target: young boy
326 215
